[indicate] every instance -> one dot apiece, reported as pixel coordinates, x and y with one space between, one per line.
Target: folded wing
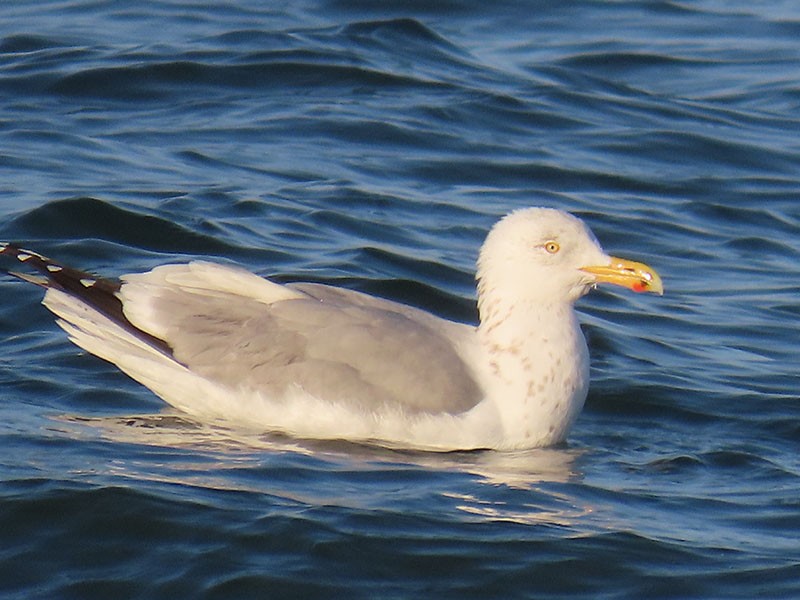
335 344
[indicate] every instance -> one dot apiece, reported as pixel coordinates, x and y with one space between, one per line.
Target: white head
549 257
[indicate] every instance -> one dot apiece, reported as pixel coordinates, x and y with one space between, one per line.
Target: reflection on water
217 454
561 511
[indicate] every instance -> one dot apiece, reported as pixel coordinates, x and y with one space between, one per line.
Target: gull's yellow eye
552 247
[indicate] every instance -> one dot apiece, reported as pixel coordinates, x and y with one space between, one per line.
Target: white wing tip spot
54 268
22 257
87 283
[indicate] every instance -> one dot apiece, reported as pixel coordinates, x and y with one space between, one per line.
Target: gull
314 361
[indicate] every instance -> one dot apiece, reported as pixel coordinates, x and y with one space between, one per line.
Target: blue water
372 145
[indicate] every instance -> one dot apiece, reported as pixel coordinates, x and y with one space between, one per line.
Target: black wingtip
80 283
23 256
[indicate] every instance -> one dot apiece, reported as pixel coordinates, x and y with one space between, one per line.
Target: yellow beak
632 275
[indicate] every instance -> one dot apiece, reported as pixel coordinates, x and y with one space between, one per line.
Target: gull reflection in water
526 487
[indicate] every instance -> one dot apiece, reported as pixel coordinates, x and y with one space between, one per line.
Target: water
372 145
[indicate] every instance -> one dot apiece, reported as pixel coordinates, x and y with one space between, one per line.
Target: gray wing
336 344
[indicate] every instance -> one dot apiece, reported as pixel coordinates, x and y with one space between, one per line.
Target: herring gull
315 361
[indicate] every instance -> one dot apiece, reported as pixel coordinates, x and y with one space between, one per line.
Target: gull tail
75 295
92 312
